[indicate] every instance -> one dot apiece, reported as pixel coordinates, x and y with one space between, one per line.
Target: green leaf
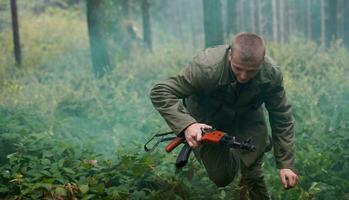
44 172
45 161
61 191
87 197
12 155
47 154
33 173
45 186
68 170
100 188
3 189
6 174
61 162
84 188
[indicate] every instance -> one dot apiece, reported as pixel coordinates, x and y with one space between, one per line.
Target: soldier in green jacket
225 87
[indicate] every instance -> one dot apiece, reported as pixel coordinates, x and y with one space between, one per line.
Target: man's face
244 71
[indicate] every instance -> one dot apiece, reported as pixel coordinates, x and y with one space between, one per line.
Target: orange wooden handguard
173 144
213 137
210 137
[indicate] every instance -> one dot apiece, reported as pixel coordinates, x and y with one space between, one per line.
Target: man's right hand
193 134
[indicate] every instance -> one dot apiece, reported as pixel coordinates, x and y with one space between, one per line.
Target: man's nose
243 76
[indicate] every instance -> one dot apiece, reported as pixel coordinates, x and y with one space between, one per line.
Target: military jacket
206 91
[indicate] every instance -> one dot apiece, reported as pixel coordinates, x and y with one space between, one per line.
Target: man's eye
238 69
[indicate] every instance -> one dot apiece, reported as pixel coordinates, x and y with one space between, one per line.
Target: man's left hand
288 178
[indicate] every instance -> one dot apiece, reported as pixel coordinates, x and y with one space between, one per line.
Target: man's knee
220 162
221 181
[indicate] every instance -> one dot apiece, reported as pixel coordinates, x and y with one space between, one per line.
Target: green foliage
65 135
315 81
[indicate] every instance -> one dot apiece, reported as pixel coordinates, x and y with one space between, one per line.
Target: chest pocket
238 96
248 99
226 95
226 98
201 107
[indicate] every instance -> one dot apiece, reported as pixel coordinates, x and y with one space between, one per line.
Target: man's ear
229 55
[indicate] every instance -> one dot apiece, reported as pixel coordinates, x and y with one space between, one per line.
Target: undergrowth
66 135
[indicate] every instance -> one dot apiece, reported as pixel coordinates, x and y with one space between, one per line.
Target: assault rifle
210 135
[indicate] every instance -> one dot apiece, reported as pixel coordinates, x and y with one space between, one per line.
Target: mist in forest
75 77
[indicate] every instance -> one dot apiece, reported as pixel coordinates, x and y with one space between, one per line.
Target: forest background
75 78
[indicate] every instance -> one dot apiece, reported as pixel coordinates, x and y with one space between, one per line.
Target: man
224 87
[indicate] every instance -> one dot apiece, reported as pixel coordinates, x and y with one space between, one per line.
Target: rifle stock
173 144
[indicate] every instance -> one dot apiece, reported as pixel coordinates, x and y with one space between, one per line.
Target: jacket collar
263 75
227 75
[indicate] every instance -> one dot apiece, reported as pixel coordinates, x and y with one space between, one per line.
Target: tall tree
178 19
309 17
240 16
126 9
147 34
301 9
282 20
322 22
193 29
213 22
291 11
331 20
252 9
275 22
346 23
261 24
231 25
185 13
15 31
340 19
99 53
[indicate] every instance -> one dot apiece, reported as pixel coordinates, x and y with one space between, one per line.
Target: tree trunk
126 9
261 24
282 20
291 18
301 21
340 19
322 23
213 23
147 35
241 16
252 15
179 21
99 53
275 22
193 30
231 17
15 31
331 21
346 23
309 21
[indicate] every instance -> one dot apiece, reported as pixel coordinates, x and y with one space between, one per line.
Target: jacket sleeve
166 96
282 124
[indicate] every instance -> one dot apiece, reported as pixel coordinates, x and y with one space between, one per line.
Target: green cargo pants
222 166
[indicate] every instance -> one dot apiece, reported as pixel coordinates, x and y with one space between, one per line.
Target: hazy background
75 78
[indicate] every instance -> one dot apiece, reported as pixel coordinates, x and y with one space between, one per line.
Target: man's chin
243 82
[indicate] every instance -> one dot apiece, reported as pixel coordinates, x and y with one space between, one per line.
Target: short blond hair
250 46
